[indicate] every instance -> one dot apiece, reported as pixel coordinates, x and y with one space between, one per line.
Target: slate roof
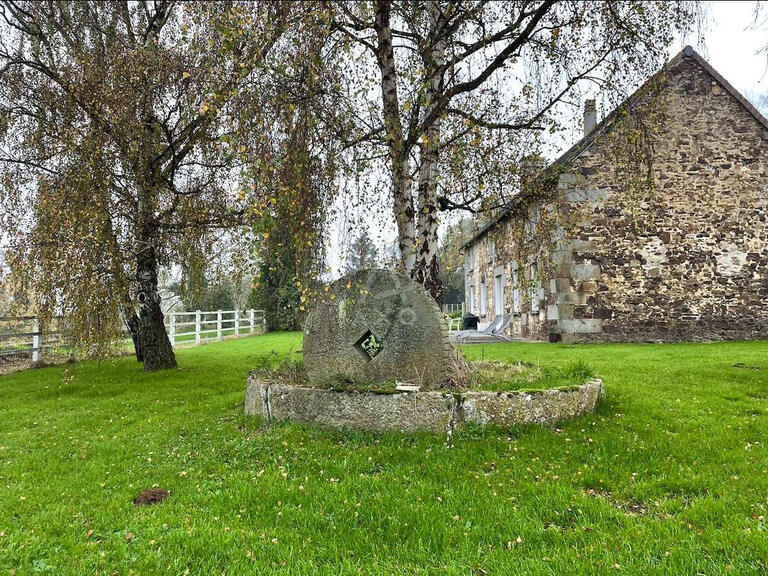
574 151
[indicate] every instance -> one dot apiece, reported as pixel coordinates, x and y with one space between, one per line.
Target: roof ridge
701 61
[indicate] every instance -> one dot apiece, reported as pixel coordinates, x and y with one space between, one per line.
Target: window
491 249
534 216
469 261
471 299
483 297
534 287
498 294
515 287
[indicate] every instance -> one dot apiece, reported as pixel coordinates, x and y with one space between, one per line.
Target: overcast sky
730 45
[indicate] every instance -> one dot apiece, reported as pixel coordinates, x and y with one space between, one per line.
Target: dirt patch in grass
150 497
745 366
630 508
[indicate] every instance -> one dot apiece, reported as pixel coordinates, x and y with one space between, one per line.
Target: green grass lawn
669 477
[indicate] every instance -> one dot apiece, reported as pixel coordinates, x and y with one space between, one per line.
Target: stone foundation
431 411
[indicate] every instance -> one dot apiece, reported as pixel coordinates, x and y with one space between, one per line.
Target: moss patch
522 376
489 375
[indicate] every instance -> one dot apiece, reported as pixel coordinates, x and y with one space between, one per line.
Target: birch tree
130 133
466 88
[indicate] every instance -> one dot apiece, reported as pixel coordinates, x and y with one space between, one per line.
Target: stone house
654 227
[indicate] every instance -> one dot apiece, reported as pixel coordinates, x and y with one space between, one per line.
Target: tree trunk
131 320
402 196
404 216
426 269
155 347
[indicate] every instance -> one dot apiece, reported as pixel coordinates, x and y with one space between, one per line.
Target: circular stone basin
433 411
377 326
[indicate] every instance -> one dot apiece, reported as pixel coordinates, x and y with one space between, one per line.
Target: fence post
197 326
172 335
250 319
36 350
237 323
218 325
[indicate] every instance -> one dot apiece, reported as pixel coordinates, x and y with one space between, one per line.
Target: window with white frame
515 281
498 293
534 215
469 260
471 299
483 297
534 286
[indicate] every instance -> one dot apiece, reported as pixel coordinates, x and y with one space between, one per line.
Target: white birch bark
426 266
402 194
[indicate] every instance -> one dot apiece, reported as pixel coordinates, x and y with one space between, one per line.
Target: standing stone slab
256 396
377 326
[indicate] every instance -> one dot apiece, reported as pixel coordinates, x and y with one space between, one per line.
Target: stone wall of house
684 260
524 293
687 261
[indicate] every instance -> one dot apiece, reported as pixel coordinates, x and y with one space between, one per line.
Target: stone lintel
574 245
566 180
579 196
562 270
572 298
585 271
562 257
553 313
559 311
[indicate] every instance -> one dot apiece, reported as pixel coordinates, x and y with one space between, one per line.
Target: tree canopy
130 132
136 135
361 253
451 96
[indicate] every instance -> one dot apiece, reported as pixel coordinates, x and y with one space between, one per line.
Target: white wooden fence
458 306
200 326
21 337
